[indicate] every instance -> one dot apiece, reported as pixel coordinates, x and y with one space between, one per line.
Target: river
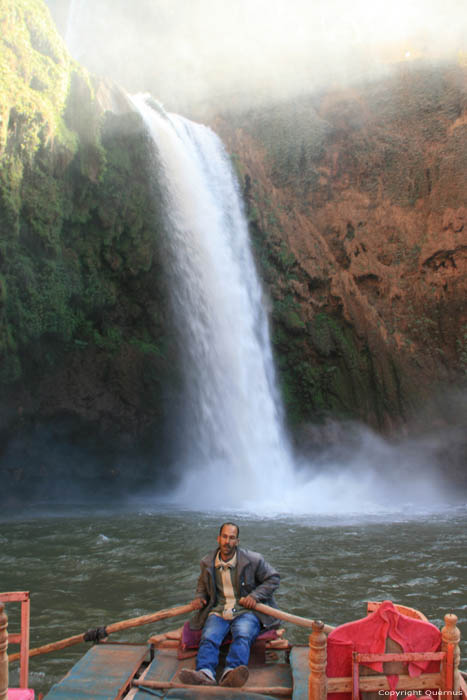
87 567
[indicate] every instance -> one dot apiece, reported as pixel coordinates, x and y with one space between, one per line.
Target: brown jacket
255 577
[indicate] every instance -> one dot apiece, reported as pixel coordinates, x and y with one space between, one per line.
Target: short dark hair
233 525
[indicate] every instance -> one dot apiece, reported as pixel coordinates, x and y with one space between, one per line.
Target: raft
391 652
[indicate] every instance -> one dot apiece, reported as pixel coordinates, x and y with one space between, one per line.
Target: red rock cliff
357 200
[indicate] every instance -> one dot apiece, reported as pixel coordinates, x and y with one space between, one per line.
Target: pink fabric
20 694
368 636
190 638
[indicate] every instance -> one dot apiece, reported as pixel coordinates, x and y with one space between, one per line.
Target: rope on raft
95 635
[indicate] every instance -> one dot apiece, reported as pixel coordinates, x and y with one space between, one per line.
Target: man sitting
231 582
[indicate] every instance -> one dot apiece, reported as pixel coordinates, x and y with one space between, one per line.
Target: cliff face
84 343
357 205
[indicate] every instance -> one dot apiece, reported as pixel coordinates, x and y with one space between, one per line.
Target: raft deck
107 672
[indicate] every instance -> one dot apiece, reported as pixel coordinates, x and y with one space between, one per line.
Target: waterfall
234 452
232 438
75 12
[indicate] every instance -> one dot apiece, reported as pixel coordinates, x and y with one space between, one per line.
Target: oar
287 617
215 689
154 617
109 629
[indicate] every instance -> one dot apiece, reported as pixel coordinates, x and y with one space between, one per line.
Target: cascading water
75 12
233 434
234 452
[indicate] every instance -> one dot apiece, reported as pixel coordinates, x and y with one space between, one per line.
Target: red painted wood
22 639
16 597
449 668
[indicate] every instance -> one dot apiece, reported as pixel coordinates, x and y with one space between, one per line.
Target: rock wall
357 200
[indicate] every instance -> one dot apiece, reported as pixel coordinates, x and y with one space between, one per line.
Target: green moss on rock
80 282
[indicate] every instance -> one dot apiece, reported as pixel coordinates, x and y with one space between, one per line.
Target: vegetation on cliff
324 368
82 302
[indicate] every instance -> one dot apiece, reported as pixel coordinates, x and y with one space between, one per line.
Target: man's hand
198 603
248 602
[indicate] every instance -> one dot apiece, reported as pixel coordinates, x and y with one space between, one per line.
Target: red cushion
191 638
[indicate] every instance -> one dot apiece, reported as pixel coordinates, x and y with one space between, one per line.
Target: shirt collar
221 564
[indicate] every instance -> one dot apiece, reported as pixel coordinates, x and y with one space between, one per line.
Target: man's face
227 541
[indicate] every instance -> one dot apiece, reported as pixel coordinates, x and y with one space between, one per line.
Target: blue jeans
244 629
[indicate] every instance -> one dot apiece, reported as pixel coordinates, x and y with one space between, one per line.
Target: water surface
86 568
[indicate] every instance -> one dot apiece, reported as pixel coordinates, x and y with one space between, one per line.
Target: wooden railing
450 635
23 637
3 653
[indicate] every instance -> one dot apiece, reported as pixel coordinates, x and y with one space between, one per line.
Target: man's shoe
235 677
191 677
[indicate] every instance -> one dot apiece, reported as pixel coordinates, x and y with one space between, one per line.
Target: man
231 582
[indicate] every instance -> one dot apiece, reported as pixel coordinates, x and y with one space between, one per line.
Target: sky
195 51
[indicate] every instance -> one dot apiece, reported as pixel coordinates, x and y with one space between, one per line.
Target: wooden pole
450 635
110 629
216 689
24 642
3 653
287 617
148 619
317 682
